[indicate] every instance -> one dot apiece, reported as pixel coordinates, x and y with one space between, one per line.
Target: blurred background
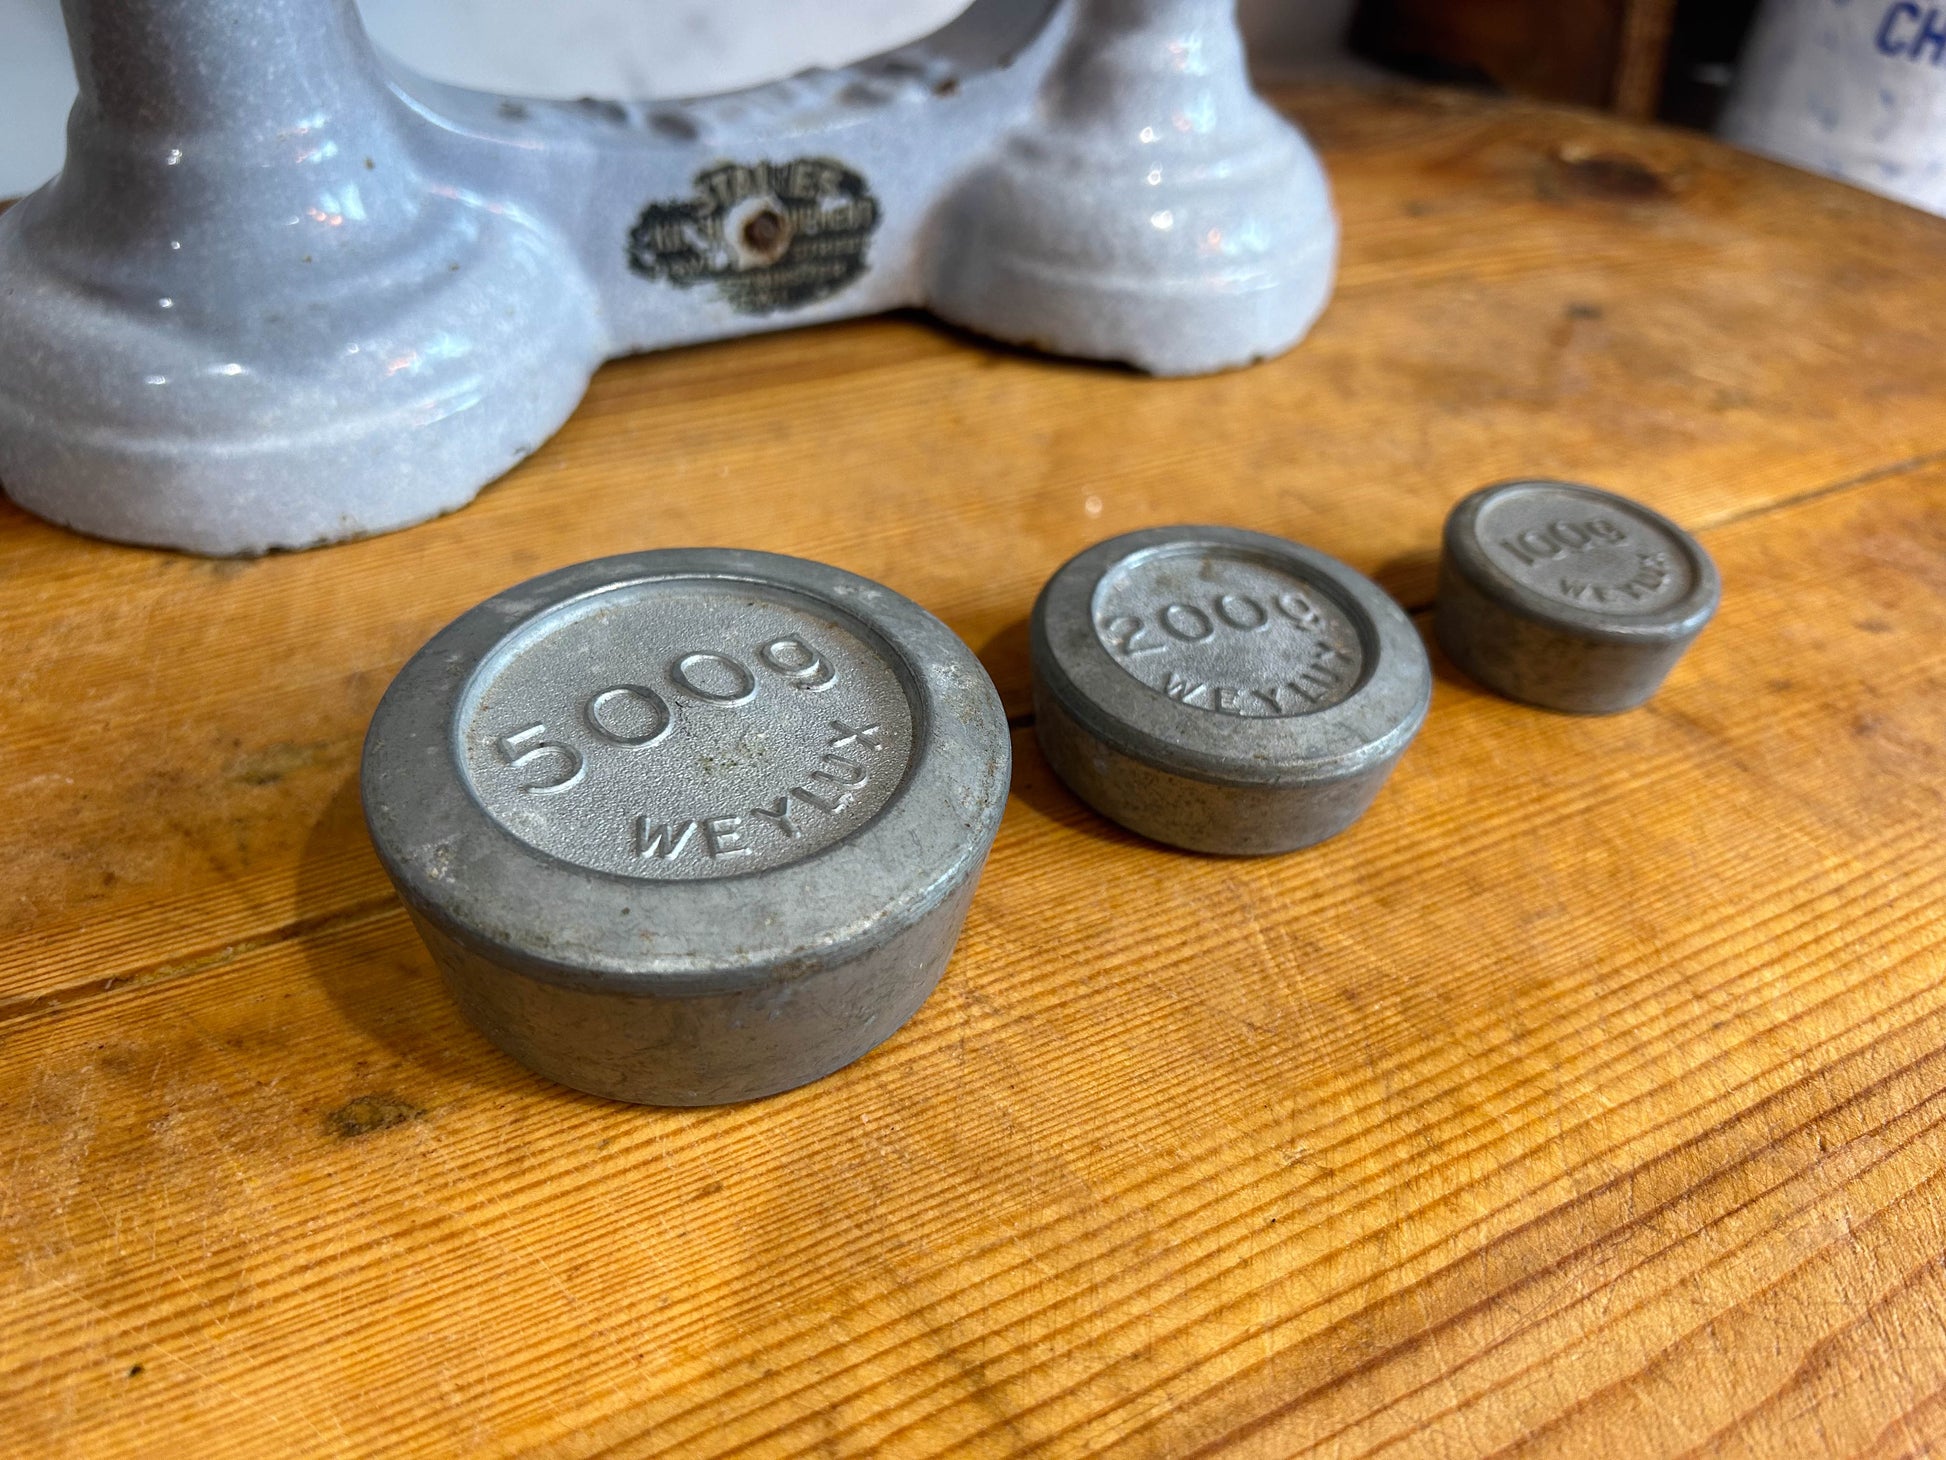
1642 57
591 48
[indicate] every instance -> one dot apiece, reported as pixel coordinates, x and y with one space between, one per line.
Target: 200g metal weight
689 827
1223 690
1569 598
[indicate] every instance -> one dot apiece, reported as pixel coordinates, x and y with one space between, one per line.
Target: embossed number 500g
634 717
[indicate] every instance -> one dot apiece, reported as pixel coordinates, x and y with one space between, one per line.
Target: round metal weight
689 827
1567 597
1222 690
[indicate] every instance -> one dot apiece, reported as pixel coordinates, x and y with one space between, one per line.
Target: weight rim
1371 726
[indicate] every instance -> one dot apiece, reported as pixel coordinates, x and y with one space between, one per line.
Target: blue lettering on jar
1908 32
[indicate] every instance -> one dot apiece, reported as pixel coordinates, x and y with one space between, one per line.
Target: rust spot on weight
369 1114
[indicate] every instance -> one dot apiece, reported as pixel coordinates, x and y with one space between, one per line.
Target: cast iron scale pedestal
284 293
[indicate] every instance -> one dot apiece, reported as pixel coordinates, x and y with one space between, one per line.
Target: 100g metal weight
1568 597
689 827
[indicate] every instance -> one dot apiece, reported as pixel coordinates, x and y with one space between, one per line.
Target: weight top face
1584 558
698 765
1231 656
758 731
1229 632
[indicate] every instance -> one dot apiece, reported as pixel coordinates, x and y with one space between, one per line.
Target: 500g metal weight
689 827
1222 690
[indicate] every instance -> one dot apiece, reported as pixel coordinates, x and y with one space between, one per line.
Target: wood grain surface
1586 1098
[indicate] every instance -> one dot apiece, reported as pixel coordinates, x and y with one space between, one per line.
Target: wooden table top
1585 1098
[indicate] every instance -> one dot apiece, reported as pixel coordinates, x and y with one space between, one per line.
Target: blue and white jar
1854 89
